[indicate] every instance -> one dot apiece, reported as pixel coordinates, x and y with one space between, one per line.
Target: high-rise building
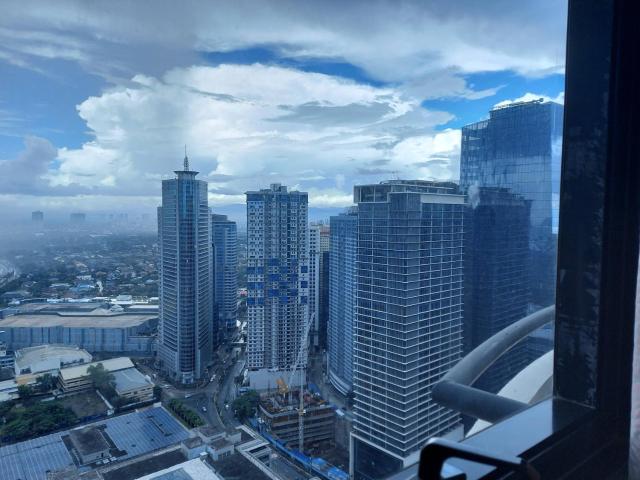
323 287
496 276
408 324
342 305
184 238
277 279
37 216
314 283
224 235
519 148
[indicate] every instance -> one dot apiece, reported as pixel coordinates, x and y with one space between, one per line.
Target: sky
99 99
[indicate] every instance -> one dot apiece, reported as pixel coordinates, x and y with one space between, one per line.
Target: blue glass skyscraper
342 292
496 282
519 148
184 238
224 236
408 324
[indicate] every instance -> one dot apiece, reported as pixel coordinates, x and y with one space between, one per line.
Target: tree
45 383
100 376
103 380
5 408
191 418
35 420
245 405
25 391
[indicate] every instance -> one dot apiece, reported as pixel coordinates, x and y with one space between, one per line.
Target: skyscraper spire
186 159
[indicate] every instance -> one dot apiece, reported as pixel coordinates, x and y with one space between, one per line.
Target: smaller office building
132 385
76 379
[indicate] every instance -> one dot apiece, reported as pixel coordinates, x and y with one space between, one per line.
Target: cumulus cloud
26 172
246 126
249 125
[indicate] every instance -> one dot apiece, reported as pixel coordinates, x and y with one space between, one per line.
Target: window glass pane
369 192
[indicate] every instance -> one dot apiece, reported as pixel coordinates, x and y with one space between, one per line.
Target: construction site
280 414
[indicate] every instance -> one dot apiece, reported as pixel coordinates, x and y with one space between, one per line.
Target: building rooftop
221 443
88 440
193 442
145 465
194 469
99 318
129 379
30 355
112 364
237 467
134 433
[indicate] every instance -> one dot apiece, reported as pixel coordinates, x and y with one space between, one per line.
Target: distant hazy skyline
98 99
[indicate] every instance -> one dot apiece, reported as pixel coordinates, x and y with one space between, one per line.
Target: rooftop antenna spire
186 159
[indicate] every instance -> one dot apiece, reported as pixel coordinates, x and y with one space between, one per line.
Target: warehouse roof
98 319
129 379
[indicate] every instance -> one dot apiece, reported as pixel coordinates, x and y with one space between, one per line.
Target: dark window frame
582 432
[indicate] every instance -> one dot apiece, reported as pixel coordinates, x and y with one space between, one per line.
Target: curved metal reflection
455 391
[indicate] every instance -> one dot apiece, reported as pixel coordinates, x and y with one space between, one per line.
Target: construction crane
301 352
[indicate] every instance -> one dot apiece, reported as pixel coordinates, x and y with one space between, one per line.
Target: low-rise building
132 385
76 379
48 359
90 444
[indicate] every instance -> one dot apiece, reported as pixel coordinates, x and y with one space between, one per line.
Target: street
204 396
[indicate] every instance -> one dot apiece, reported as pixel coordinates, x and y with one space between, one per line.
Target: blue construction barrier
317 465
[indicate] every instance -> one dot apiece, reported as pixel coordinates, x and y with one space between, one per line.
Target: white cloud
417 42
529 97
246 126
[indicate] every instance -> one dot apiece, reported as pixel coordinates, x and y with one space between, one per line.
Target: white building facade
277 278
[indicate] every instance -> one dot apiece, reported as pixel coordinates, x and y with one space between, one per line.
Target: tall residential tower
184 238
277 280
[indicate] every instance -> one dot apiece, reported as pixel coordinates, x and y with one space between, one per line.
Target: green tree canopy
245 405
45 383
25 391
103 380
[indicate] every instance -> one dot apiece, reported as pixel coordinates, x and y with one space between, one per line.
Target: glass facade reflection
496 277
519 148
